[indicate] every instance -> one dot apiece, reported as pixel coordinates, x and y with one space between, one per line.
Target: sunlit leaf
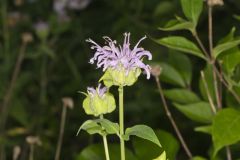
192 9
142 131
225 128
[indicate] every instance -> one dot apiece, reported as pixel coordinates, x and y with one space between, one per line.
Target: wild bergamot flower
121 65
98 101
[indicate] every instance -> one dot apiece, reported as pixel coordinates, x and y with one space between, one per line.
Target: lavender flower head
115 57
98 91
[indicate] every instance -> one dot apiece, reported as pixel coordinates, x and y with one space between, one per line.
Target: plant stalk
210 37
31 154
169 115
213 108
8 95
121 122
106 147
61 133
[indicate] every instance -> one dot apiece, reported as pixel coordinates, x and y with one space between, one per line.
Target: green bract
119 77
96 105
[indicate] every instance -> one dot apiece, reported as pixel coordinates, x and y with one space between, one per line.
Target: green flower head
98 101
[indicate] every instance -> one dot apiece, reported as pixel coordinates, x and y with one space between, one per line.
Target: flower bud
27 37
215 2
42 30
68 102
156 70
98 101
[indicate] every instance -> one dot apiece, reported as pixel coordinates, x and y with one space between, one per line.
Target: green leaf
163 7
208 72
96 152
175 25
198 158
163 156
182 64
168 142
192 9
181 44
100 126
181 95
142 131
225 46
225 128
237 17
109 127
92 127
204 129
199 112
171 75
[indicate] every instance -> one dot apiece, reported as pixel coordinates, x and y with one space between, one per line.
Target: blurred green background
57 67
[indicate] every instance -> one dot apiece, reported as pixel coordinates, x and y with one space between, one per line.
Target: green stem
105 144
106 147
121 122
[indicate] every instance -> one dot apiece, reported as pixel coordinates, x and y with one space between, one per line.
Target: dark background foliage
62 69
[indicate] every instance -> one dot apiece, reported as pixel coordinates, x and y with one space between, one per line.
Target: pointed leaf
169 144
109 127
91 126
174 25
225 128
198 158
204 129
192 9
181 95
171 75
181 44
182 64
142 131
199 112
161 157
225 46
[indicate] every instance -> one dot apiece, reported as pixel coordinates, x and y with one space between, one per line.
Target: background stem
8 95
31 154
169 115
60 139
121 122
214 69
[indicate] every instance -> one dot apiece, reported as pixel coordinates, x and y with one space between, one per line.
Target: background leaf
199 112
96 152
171 75
181 44
168 141
182 64
181 95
